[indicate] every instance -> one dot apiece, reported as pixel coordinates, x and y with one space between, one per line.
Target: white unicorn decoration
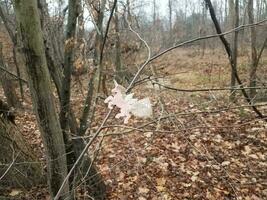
127 104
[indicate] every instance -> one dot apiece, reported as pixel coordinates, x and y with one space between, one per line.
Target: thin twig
132 84
205 37
145 63
78 161
206 89
14 75
10 166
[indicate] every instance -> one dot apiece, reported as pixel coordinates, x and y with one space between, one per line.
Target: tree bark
234 22
119 71
170 20
253 65
94 82
54 55
95 184
98 46
41 92
13 36
7 83
68 66
66 83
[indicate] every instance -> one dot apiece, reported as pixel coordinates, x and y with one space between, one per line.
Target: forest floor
199 145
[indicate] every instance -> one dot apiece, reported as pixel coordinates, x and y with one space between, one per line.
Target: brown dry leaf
148 134
194 178
134 178
176 147
186 184
225 163
78 63
143 190
261 156
141 198
141 159
253 156
121 176
160 184
247 150
253 197
69 43
161 181
166 196
15 192
160 188
210 196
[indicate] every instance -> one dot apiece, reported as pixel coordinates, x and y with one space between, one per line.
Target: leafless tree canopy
133 99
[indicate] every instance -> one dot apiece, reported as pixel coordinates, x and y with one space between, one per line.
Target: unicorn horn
115 82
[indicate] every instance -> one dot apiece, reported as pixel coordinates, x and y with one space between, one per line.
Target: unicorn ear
115 83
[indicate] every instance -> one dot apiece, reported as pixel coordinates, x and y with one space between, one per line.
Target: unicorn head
118 89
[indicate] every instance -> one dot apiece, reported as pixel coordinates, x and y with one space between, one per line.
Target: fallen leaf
225 163
186 184
194 178
148 134
161 181
247 150
175 147
141 198
160 188
253 156
143 190
15 192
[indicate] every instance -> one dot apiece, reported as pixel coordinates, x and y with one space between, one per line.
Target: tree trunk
229 54
253 66
7 84
118 64
94 184
94 82
19 167
53 55
56 63
13 36
234 22
68 66
41 92
98 45
170 20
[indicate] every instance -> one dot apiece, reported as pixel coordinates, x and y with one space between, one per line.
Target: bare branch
13 75
198 39
205 89
10 166
230 56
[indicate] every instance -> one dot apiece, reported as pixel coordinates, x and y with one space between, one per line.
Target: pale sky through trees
145 6
143 10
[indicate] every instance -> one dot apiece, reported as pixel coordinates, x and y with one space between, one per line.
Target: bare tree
118 62
154 12
14 38
41 92
253 66
7 83
94 184
68 66
234 22
96 74
170 7
230 56
99 45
